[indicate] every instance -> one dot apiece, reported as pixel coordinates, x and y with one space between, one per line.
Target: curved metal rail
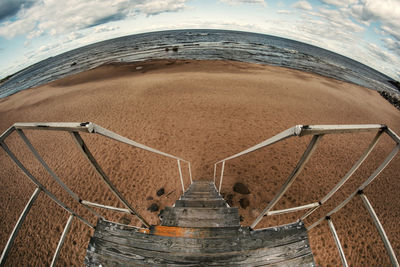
73 129
318 131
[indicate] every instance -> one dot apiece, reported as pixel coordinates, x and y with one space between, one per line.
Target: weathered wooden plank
192 211
200 230
195 245
201 193
237 239
200 217
200 198
201 203
262 255
98 259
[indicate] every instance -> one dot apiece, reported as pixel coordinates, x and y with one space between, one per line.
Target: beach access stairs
200 229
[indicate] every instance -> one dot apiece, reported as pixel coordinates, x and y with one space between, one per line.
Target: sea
201 45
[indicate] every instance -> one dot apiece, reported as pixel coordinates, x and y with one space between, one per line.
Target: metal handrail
318 131
73 129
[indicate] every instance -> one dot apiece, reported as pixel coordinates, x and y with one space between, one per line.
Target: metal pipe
42 187
301 130
299 167
380 229
308 213
86 152
381 167
215 171
393 135
87 127
4 135
335 129
279 137
51 172
190 172
348 174
362 187
56 126
180 175
112 135
18 225
222 176
61 241
337 241
277 212
97 205
354 168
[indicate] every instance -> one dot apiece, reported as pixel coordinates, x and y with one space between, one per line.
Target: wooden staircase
199 230
200 206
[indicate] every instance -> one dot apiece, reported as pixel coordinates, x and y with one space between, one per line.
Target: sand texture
202 111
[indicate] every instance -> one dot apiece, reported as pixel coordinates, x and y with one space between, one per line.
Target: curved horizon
365 31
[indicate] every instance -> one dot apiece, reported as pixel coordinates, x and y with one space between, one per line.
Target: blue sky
365 30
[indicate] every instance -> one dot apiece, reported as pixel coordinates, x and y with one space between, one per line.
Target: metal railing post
52 173
18 225
86 152
299 167
190 172
380 229
289 210
61 241
347 175
180 175
215 171
222 176
337 241
387 160
42 187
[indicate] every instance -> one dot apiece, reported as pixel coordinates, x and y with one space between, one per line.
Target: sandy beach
201 111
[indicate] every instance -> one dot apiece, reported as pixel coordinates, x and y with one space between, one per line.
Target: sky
365 30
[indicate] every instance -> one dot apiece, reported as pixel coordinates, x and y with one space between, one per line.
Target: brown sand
202 111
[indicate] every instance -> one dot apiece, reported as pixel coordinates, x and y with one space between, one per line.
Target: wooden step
207 203
201 195
200 230
199 217
120 245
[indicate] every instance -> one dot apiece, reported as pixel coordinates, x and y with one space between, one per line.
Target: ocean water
199 44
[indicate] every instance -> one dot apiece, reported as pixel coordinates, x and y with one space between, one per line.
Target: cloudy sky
365 30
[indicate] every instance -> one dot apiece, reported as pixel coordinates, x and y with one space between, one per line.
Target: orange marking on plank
144 231
173 231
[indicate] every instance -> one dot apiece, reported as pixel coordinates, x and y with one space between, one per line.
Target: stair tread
118 244
201 203
199 230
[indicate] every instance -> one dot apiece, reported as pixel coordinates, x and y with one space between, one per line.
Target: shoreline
201 111
392 97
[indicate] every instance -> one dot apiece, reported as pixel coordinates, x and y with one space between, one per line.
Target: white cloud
392 45
283 11
334 30
56 17
45 48
236 2
339 3
160 6
12 29
386 12
302 5
104 28
74 36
